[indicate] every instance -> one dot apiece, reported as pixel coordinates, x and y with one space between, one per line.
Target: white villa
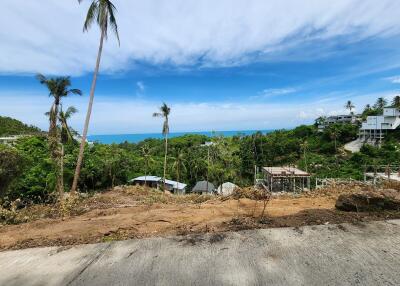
341 119
376 127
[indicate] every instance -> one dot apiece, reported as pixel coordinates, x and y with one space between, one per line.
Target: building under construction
285 179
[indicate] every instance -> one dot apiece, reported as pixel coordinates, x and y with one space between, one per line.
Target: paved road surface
362 254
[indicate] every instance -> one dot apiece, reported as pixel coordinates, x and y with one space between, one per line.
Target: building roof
201 186
174 184
285 171
146 178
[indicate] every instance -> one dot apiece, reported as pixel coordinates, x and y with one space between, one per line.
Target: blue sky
220 65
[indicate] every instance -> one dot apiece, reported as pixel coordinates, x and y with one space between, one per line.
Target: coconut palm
58 88
350 106
304 147
380 103
334 133
164 113
179 165
67 133
146 153
367 108
396 101
103 13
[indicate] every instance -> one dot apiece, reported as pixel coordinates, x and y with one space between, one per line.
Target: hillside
10 126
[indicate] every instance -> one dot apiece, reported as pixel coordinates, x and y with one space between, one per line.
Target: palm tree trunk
145 174
89 111
165 160
61 182
177 175
54 140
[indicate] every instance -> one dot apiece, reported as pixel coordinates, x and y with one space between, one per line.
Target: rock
386 199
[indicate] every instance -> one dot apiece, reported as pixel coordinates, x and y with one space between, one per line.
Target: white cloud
394 79
46 35
133 115
271 92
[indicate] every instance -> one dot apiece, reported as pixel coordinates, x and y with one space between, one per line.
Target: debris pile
369 200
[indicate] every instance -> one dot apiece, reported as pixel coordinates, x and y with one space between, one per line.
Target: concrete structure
375 173
157 182
227 189
285 179
341 119
204 188
348 254
374 128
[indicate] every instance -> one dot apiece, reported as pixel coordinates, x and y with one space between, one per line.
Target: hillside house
374 128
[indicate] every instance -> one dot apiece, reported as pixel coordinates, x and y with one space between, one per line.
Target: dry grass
150 196
136 212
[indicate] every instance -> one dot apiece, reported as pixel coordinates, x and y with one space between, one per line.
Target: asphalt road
348 254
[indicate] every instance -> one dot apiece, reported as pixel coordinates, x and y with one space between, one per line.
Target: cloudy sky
220 65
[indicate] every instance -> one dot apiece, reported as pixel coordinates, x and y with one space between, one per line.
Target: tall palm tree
179 165
67 134
146 153
396 101
58 88
350 106
164 113
304 146
103 13
380 103
367 108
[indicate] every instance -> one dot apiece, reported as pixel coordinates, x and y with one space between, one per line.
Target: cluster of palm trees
59 131
101 12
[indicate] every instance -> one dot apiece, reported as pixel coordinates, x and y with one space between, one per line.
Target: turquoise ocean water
135 138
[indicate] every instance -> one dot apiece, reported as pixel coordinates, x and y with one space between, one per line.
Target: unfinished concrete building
285 179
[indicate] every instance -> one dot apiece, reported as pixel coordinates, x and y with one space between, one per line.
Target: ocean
135 138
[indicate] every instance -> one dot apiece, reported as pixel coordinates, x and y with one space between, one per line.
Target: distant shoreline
135 138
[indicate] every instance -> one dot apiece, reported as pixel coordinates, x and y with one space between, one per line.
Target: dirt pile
136 212
369 200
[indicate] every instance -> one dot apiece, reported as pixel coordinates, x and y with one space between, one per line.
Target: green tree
396 101
320 121
67 134
11 166
380 103
103 13
147 158
179 164
350 106
304 147
164 113
58 88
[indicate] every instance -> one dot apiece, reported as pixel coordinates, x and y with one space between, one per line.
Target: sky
220 65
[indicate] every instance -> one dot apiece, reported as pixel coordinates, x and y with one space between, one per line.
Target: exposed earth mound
137 212
387 199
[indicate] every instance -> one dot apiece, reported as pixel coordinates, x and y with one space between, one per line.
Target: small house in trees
204 187
158 183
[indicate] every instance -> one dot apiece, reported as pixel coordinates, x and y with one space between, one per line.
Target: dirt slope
122 214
